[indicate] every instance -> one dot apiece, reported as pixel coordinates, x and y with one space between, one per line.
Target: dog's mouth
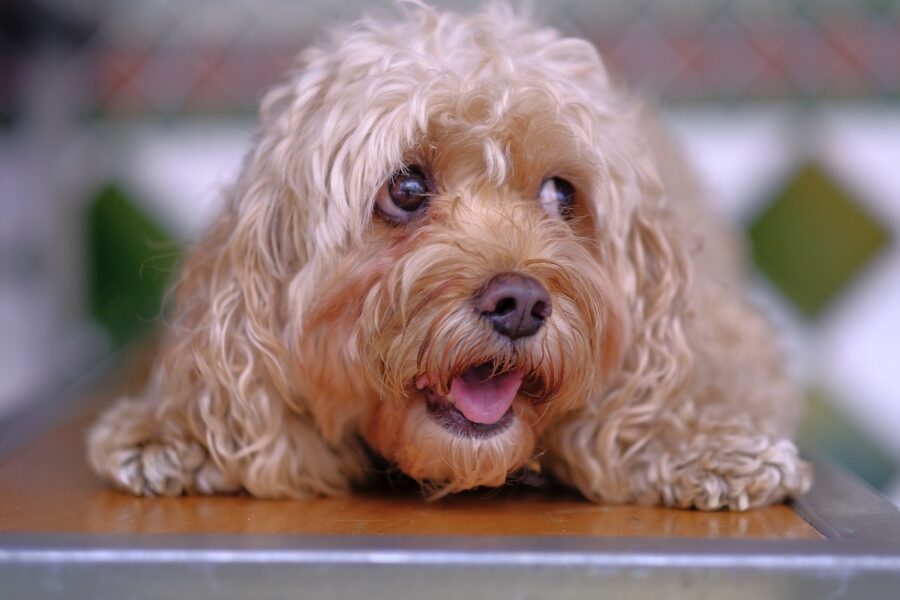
479 403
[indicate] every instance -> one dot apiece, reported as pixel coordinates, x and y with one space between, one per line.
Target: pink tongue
482 398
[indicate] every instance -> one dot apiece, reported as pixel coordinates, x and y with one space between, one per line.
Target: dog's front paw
738 473
160 469
156 469
128 448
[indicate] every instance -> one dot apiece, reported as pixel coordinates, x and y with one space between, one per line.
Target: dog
459 246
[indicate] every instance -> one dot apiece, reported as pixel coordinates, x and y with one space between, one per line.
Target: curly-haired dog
458 245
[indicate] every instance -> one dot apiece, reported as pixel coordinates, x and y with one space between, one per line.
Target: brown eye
404 194
557 196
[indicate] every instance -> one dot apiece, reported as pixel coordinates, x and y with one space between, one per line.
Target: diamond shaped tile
130 259
813 238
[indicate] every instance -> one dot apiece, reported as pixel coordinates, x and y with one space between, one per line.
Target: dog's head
442 220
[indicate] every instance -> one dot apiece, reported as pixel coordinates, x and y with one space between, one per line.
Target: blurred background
121 119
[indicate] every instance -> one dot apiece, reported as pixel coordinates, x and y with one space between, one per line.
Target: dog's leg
725 441
724 465
297 462
718 439
149 454
136 452
706 463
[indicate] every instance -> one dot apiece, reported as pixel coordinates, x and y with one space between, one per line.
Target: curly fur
302 319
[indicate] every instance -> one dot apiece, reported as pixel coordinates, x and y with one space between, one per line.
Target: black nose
516 305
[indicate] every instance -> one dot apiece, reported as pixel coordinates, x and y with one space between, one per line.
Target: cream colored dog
458 245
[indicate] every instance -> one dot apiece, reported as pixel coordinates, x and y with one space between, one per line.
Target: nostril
540 310
504 306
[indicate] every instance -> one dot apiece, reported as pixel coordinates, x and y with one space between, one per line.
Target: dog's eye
404 194
557 196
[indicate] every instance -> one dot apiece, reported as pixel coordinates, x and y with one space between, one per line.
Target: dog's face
487 317
461 289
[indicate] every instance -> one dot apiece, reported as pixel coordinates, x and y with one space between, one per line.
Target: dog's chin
476 434
440 447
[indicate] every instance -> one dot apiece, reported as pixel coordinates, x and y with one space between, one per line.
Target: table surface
47 487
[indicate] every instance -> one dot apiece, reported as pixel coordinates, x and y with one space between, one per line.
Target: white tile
180 172
859 355
740 155
862 148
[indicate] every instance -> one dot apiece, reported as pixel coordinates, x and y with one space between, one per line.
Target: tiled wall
823 223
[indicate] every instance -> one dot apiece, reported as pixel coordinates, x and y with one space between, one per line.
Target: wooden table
61 531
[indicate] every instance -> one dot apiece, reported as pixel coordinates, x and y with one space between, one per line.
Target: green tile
813 238
130 260
828 428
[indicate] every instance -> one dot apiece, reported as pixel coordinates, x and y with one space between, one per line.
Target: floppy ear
240 301
229 312
651 272
223 379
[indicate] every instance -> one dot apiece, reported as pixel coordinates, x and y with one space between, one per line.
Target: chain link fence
170 58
